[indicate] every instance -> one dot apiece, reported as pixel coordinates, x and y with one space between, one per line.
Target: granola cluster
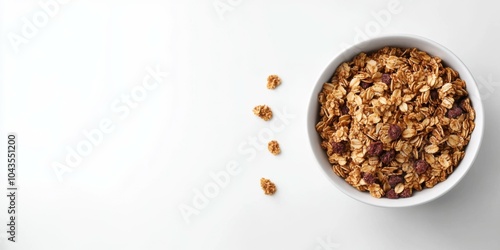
274 147
395 121
264 112
273 81
268 186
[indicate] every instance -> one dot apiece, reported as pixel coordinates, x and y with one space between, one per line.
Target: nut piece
268 187
274 147
273 81
264 112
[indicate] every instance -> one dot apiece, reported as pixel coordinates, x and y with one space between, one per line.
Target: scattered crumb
273 81
274 147
268 187
264 112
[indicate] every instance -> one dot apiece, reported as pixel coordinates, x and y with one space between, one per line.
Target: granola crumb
274 147
264 112
268 187
273 81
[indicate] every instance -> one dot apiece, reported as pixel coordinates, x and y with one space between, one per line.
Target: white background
126 193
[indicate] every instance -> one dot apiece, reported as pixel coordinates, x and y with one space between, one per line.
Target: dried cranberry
420 166
339 147
344 109
386 78
434 94
394 131
395 180
388 156
365 85
454 112
369 178
406 193
391 194
375 148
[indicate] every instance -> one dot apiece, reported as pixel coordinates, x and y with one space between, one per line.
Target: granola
395 121
264 112
274 147
268 187
273 81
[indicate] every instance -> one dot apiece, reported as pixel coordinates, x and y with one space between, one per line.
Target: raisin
406 193
395 180
365 85
375 148
388 156
434 94
394 131
344 109
369 178
391 194
420 166
339 147
454 112
386 78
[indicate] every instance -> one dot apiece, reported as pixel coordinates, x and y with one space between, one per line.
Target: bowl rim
413 41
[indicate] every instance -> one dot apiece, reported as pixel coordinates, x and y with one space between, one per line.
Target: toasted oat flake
399 188
274 147
431 149
273 81
408 101
264 112
268 186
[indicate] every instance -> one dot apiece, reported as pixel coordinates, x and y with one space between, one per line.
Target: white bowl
403 41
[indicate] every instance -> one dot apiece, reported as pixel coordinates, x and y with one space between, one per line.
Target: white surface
126 193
